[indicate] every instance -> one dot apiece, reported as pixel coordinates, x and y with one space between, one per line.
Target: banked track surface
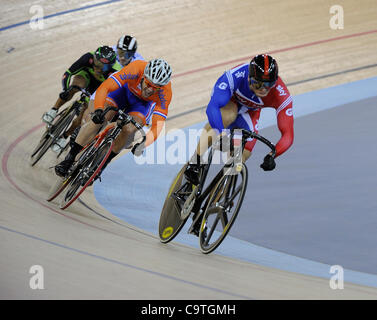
85 256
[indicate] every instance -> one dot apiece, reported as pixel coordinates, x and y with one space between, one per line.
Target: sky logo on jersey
281 90
240 74
128 76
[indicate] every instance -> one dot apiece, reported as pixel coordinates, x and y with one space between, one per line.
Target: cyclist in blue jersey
237 99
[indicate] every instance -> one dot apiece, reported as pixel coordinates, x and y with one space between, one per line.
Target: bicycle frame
202 195
74 105
83 173
116 128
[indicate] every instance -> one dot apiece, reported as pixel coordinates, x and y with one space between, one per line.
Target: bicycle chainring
189 204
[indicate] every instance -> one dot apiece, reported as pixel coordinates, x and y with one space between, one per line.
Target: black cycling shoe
196 229
62 168
192 173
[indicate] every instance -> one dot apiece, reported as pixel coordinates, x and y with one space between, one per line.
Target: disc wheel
222 209
171 221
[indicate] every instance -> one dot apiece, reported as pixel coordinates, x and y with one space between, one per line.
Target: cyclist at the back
126 50
237 99
88 72
126 53
141 89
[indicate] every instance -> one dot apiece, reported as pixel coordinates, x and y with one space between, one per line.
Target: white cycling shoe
59 145
49 116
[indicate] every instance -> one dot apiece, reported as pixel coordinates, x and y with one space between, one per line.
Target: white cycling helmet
158 72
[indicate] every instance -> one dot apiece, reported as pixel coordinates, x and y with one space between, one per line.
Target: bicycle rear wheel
50 136
87 172
223 206
170 219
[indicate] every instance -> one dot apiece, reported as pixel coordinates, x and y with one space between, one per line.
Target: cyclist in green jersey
88 72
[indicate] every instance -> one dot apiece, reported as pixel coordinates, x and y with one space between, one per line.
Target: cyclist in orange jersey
143 90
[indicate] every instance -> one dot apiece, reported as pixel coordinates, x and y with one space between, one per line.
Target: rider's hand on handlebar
97 116
138 149
268 163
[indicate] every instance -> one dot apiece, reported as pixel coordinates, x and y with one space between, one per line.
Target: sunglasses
259 84
151 85
126 54
104 66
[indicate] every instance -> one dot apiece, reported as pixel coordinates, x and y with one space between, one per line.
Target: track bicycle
55 130
215 207
91 160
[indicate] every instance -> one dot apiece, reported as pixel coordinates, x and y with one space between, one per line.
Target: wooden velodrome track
87 256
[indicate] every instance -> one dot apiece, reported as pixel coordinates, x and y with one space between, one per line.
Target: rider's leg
86 114
77 81
83 118
248 121
127 135
77 121
86 134
136 108
228 114
90 129
125 138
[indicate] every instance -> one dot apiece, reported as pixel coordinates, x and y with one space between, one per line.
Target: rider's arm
130 73
285 125
220 97
107 86
160 114
158 122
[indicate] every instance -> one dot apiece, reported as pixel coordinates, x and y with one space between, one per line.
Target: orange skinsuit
131 76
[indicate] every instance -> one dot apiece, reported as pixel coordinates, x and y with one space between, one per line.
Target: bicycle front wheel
89 169
222 209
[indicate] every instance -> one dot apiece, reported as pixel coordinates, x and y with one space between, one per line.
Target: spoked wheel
222 209
42 147
62 183
50 136
171 221
89 169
